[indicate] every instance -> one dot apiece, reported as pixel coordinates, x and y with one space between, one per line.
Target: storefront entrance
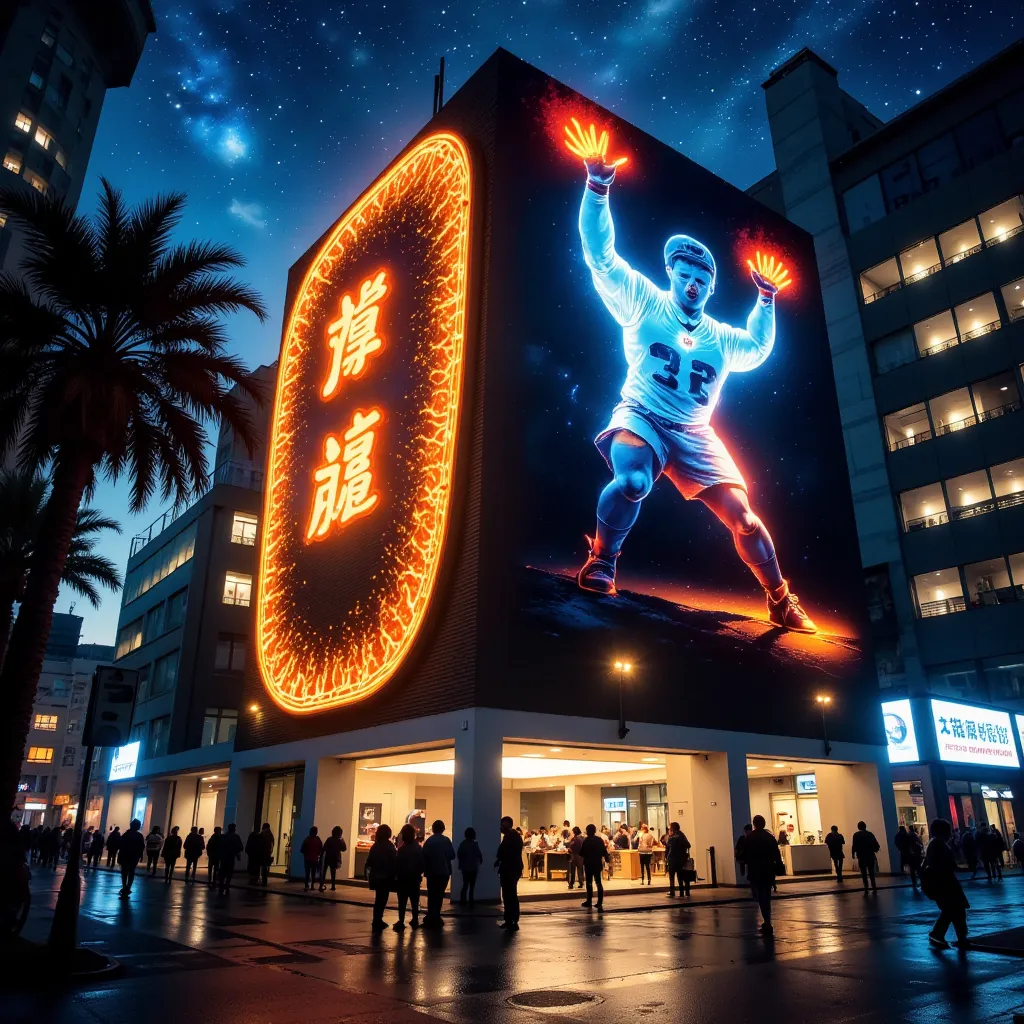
280 807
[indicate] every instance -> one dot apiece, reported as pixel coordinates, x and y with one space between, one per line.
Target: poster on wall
369 818
900 736
967 734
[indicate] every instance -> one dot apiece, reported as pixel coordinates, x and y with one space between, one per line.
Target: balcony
999 410
881 293
909 442
979 332
920 275
951 428
945 606
942 346
925 522
978 508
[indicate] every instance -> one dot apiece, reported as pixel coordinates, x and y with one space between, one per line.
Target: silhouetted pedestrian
95 849
381 873
470 858
908 843
113 845
438 854
154 844
969 848
741 850
171 852
594 853
1017 847
764 864
509 862
677 860
193 848
991 846
129 852
253 855
575 873
311 849
266 852
409 868
334 847
229 852
835 841
213 846
939 882
864 847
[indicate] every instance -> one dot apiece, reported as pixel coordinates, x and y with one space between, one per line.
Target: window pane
920 261
980 138
960 242
227 725
996 396
880 280
1017 571
939 162
209 731
894 350
238 654
957 680
1008 481
901 183
237 589
47 723
977 316
988 583
935 334
939 593
907 427
1013 296
969 495
158 732
243 528
952 411
222 657
864 203
1002 221
923 507
1005 677
176 605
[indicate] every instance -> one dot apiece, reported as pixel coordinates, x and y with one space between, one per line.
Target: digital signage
125 762
971 735
361 460
806 784
900 736
1020 729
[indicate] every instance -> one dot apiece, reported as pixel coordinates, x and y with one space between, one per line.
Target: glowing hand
769 275
592 149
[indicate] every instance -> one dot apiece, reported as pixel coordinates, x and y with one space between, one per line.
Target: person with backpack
129 852
193 847
677 860
864 847
835 841
940 884
381 872
334 847
311 849
171 852
469 858
154 844
764 864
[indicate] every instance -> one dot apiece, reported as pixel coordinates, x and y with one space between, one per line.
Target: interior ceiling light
523 767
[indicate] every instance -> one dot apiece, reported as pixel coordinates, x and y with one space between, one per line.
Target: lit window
935 334
960 242
43 137
49 35
923 507
1013 296
23 121
40 755
39 184
1002 221
46 723
237 589
129 638
952 411
907 427
243 529
977 317
920 261
939 593
13 162
970 495
880 280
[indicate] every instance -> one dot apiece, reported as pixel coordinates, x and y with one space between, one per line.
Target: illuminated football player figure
678 360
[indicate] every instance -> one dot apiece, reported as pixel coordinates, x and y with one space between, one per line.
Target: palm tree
22 498
112 360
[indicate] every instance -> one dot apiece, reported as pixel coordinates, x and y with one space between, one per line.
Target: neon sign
361 458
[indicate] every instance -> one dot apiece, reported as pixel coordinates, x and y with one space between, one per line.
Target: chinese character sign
971 735
354 336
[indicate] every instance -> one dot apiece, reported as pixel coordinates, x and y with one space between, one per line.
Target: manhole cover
553 999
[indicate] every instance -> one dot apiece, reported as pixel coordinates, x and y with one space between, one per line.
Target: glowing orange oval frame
304 674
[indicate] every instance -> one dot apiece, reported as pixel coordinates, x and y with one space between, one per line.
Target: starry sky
273 116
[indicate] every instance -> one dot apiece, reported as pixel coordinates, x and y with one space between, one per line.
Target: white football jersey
675 369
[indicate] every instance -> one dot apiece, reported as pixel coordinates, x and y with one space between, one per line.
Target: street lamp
623 668
824 700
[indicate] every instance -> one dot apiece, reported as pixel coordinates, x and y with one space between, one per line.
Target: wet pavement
253 957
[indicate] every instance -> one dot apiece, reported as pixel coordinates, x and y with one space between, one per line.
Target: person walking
764 864
992 845
835 841
113 845
864 847
1017 849
969 848
939 882
229 852
677 860
253 854
334 847
154 844
129 852
594 853
213 855
509 862
575 872
96 845
193 847
470 858
171 852
645 843
908 843
311 849
266 854
381 873
438 854
740 851
409 868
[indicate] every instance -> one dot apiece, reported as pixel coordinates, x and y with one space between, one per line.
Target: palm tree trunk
19 675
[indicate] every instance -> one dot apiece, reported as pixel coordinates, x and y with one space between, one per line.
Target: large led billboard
900 735
125 762
967 734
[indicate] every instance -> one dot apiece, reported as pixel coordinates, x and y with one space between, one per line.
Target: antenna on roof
439 89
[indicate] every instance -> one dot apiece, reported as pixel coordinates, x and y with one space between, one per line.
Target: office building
918 226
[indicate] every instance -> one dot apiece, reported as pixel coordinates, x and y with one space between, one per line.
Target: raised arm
750 348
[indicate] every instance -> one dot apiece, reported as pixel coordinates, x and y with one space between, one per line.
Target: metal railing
955 425
924 522
977 508
1005 235
921 274
942 346
1016 312
1010 500
947 606
978 332
997 411
908 442
958 256
888 290
994 596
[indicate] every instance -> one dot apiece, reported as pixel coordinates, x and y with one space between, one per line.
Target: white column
721 807
477 794
858 792
240 800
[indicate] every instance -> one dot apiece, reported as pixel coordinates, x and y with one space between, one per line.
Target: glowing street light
623 668
824 700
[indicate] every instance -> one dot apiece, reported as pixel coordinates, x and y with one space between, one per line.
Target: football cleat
787 613
598 572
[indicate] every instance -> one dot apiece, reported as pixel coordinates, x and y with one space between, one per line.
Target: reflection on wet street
255 956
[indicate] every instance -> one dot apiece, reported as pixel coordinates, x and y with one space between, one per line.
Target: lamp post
823 702
623 668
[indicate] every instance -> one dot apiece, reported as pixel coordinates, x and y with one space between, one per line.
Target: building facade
51 778
918 226
58 58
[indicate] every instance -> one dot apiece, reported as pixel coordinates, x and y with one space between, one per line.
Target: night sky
273 115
